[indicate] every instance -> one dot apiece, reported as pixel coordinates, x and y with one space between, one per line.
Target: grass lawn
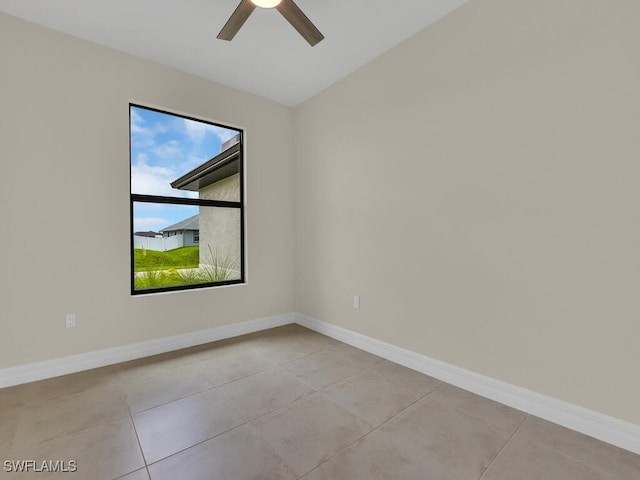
168 278
178 267
148 260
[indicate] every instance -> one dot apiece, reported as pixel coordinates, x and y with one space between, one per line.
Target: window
187 197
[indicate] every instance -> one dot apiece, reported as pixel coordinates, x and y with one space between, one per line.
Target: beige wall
478 187
64 183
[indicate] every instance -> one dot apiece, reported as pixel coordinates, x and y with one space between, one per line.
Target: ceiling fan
287 8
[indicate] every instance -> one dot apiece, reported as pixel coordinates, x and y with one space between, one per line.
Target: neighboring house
148 234
181 234
220 228
187 231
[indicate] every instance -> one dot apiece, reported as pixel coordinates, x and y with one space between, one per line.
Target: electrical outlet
70 320
356 301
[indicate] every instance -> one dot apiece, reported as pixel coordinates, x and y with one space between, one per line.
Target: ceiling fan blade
299 21
236 20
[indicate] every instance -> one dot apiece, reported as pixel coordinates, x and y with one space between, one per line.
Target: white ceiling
267 57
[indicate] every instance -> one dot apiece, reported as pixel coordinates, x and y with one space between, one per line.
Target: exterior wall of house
188 238
220 227
226 189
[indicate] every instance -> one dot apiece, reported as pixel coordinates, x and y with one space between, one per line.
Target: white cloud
169 150
155 180
142 134
136 122
197 131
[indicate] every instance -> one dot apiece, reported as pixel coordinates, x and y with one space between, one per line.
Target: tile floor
286 403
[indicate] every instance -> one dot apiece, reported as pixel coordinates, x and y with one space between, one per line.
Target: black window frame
143 198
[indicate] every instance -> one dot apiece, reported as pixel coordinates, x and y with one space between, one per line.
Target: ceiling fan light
266 3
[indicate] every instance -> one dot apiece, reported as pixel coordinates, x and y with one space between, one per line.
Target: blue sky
163 148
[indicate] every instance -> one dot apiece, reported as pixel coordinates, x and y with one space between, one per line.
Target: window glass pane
179 167
174 156
178 245
155 218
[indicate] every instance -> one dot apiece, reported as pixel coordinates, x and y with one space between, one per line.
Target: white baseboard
603 427
85 361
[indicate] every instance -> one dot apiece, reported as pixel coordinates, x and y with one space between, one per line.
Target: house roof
223 165
191 223
146 234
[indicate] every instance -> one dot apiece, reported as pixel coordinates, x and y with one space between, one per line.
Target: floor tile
264 392
371 397
43 391
68 414
238 454
164 387
175 426
295 333
106 451
309 431
13 400
524 460
290 331
405 377
379 456
280 351
141 474
589 451
322 342
227 365
142 368
8 427
248 408
479 407
15 397
285 344
359 357
49 389
321 369
445 436
210 350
